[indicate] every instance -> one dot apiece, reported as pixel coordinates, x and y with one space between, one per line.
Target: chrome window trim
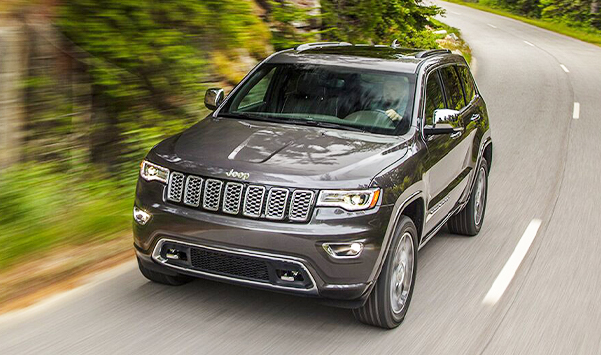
311 201
275 217
200 192
227 185
156 255
421 112
248 188
170 185
204 195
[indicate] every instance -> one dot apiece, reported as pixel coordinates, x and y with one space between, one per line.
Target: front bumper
296 244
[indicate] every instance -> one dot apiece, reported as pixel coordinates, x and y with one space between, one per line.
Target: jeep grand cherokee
321 174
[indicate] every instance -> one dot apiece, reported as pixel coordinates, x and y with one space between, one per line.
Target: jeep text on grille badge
239 175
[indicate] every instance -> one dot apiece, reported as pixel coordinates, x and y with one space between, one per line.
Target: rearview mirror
445 122
214 98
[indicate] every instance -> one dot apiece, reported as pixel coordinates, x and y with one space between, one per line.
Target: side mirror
214 98
445 122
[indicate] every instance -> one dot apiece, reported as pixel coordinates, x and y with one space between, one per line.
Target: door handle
475 117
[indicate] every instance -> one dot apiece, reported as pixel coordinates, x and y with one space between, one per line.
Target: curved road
546 166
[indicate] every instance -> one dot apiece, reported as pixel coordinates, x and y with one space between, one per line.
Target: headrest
310 84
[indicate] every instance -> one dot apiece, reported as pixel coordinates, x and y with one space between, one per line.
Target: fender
411 194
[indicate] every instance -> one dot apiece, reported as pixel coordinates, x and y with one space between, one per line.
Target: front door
445 173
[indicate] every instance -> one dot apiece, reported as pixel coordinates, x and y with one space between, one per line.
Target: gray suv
321 174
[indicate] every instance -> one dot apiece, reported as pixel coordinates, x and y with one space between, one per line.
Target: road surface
546 167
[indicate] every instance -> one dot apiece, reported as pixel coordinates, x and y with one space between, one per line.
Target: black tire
465 221
162 278
378 310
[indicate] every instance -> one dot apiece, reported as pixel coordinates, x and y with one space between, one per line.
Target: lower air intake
229 265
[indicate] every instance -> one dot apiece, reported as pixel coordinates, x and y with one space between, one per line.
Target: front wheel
388 302
469 220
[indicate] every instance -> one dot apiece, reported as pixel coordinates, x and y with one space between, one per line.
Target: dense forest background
576 13
92 85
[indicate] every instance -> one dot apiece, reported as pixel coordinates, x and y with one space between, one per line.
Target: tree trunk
12 69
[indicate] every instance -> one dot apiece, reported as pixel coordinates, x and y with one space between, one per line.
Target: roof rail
431 52
306 46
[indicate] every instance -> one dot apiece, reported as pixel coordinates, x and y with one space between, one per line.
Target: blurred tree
576 13
292 24
380 21
149 63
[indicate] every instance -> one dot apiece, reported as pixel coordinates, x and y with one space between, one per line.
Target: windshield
328 96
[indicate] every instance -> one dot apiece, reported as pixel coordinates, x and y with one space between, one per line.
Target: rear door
472 118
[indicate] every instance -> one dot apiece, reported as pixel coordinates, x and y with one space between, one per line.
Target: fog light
343 250
290 275
140 216
172 254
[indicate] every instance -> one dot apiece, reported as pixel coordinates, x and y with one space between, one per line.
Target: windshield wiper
326 125
247 116
250 116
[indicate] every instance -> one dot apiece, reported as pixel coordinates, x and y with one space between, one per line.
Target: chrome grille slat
212 194
253 201
232 197
300 205
276 203
239 198
176 186
193 190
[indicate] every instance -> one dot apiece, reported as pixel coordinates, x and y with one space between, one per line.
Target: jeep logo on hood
236 174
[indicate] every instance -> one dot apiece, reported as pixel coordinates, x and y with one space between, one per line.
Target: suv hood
279 154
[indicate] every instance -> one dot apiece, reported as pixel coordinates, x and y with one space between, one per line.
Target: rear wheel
162 278
388 302
469 220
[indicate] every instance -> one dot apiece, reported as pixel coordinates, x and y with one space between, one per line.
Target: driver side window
256 95
434 97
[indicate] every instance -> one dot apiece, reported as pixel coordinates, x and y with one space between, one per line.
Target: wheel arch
411 204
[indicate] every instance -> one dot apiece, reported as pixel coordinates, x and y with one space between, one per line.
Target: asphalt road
546 166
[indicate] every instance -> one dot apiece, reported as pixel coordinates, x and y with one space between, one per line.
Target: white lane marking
512 265
455 13
564 68
493 26
528 43
576 110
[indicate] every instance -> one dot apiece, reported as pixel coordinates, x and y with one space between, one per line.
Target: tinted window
468 83
257 94
452 88
434 97
347 98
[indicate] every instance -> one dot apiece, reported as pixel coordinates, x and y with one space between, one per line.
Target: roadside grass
43 207
590 36
459 45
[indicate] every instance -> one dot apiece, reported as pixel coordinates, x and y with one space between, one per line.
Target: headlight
150 171
349 200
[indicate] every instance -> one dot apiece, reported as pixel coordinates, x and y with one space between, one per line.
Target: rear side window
453 88
434 97
468 83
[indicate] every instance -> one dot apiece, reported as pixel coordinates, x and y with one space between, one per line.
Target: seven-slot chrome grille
249 200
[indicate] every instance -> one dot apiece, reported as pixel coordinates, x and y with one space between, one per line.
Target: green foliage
43 206
292 24
380 21
575 13
149 62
